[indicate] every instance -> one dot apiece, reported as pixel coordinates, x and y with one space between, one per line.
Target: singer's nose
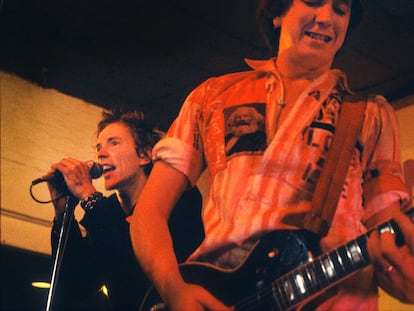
101 152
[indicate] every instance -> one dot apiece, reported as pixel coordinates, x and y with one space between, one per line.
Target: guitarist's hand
394 265
191 297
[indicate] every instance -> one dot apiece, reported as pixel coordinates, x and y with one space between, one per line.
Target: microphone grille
95 169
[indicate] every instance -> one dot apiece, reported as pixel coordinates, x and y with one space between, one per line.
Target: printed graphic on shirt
245 129
318 137
197 135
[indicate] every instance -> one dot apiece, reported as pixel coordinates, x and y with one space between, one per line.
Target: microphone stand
63 238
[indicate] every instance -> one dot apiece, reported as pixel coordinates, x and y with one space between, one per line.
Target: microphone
95 171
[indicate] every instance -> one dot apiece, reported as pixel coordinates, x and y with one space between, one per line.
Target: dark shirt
105 255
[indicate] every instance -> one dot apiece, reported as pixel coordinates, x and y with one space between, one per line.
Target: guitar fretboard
324 271
318 274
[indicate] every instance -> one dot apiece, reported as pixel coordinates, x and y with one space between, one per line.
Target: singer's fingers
76 176
73 168
60 166
57 166
70 165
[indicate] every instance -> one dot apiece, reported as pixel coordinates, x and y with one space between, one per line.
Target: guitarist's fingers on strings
385 255
378 245
395 263
405 224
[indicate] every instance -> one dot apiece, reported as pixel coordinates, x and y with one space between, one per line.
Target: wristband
88 203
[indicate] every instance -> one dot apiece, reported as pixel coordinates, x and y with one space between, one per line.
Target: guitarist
267 187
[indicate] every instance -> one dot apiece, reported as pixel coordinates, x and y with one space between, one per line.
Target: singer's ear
144 161
145 156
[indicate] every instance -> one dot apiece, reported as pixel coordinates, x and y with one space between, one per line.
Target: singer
105 256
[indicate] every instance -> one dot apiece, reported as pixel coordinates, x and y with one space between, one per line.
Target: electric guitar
280 272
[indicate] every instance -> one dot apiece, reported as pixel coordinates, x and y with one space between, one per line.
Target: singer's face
117 155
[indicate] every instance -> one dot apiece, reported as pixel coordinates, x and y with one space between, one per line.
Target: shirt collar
264 65
269 65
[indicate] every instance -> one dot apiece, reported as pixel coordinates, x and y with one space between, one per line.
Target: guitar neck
322 272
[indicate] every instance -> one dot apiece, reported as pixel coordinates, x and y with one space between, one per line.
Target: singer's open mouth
107 168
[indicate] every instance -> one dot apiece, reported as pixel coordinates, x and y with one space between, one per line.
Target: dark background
150 54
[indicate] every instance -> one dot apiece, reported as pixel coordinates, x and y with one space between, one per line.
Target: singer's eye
113 141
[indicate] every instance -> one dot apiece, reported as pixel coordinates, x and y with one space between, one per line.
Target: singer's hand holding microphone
71 175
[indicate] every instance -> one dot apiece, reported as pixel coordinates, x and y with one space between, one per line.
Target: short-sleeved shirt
263 174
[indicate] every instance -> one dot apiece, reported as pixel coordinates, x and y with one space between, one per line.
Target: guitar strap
331 181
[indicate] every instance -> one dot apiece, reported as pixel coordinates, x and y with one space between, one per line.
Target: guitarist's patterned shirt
262 175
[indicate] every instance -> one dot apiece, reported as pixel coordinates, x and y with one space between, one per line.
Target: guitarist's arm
385 194
153 246
394 266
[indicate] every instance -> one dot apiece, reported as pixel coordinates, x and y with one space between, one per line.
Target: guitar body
281 271
274 255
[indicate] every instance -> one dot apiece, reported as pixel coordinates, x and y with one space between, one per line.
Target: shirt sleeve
384 187
182 148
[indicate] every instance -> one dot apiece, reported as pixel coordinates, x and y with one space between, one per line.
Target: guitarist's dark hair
267 10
